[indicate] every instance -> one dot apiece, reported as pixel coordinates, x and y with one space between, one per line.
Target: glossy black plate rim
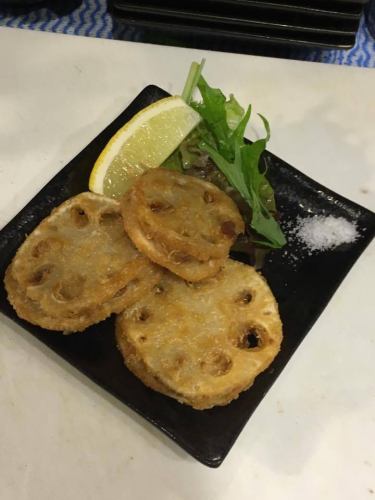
333 10
336 9
151 31
212 458
230 21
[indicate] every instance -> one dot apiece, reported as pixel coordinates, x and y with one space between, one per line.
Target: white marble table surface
313 435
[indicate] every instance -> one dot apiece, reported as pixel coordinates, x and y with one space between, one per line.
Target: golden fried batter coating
78 267
189 214
184 224
180 263
78 257
202 343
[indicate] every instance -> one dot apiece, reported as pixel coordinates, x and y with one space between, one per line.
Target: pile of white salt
321 232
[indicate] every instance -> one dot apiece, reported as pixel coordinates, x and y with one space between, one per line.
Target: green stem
192 81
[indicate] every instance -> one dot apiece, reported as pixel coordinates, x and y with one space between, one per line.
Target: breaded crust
189 214
184 224
202 343
180 263
78 257
78 267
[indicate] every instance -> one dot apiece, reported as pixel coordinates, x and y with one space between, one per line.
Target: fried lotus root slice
180 263
202 343
78 257
188 214
31 311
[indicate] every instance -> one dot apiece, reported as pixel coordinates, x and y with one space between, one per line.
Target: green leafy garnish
173 162
192 81
221 136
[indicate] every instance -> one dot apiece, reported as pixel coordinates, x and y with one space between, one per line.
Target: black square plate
303 285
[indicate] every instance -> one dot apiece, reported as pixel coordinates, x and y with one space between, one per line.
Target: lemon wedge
142 143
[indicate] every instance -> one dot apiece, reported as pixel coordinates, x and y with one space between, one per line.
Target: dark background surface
297 29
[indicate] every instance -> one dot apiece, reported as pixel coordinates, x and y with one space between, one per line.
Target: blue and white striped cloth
362 54
92 19
89 19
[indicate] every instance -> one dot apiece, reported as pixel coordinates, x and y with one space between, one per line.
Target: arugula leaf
231 171
225 122
173 162
266 193
262 220
234 112
213 112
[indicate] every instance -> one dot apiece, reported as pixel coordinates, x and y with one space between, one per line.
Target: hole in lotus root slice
180 360
175 364
160 207
112 274
253 338
110 218
45 246
68 290
217 364
120 292
79 216
179 257
159 289
144 314
244 297
41 275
